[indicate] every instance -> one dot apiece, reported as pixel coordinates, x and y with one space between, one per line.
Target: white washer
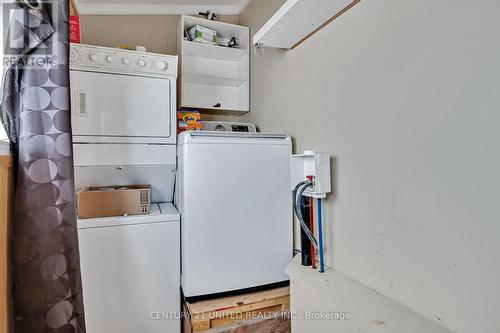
130 271
233 193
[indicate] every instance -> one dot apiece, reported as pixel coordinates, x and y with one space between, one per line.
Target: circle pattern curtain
47 294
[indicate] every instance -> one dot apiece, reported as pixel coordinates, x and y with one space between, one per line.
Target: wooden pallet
204 315
277 324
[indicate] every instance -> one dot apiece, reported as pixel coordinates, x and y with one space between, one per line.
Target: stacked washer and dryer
231 189
124 132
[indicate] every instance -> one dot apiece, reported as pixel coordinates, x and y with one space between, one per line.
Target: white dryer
124 118
233 193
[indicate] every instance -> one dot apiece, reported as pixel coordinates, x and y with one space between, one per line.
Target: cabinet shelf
223 111
213 51
213 80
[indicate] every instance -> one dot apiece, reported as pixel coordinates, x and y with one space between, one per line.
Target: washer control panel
118 60
222 126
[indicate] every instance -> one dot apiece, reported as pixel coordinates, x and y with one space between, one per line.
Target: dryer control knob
142 62
109 58
126 61
162 65
93 57
74 54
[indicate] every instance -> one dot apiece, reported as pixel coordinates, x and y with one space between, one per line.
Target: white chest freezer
233 193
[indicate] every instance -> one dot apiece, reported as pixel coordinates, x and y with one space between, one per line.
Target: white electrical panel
311 164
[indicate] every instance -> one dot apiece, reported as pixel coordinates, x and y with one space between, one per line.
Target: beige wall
157 32
404 95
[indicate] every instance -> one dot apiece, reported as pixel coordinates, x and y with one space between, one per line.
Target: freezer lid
163 212
234 137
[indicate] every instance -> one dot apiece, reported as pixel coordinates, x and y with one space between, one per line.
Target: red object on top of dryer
74 29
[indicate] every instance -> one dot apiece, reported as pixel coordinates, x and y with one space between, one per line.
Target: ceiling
222 7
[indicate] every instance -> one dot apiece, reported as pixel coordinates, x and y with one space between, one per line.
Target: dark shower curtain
47 295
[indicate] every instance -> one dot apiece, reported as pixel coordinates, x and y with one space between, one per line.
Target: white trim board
154 9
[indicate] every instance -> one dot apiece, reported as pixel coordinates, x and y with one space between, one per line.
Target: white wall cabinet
297 20
214 79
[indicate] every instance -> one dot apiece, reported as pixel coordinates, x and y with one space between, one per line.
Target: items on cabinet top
214 63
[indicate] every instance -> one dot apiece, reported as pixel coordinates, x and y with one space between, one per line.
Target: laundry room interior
229 166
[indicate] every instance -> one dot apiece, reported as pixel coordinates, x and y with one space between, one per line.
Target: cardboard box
107 201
